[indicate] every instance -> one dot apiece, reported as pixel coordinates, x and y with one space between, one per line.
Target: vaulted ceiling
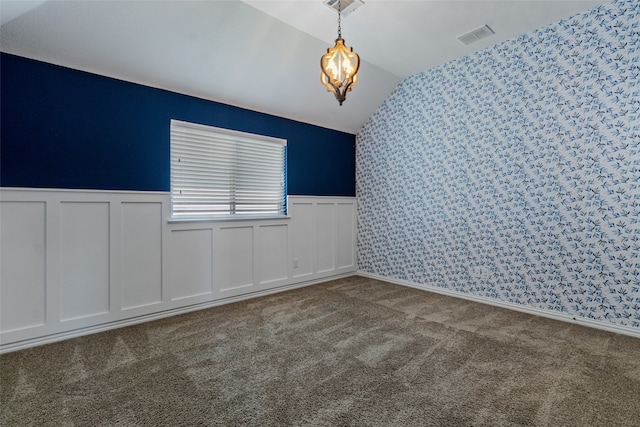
265 55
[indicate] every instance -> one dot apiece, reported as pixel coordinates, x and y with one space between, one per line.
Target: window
220 173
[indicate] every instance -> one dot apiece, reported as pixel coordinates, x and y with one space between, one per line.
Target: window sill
228 219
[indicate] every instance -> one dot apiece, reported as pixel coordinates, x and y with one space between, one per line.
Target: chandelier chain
339 18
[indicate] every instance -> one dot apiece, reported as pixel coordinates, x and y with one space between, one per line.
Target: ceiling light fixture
339 66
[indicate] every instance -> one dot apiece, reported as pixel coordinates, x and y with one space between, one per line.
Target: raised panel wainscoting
74 262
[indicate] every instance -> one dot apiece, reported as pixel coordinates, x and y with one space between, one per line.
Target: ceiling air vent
476 35
347 6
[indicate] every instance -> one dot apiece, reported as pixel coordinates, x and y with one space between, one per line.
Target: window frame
235 175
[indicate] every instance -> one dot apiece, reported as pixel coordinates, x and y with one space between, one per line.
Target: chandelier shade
339 69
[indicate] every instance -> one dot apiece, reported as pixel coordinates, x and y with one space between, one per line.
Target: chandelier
339 66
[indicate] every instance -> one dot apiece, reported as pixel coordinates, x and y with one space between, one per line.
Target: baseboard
619 329
48 339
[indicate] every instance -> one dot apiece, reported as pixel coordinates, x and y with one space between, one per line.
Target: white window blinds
219 172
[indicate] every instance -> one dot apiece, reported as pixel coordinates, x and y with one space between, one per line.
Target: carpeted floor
351 352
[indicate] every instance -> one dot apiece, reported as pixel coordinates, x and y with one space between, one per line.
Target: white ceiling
265 55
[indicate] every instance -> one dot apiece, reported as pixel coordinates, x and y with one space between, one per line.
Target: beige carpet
351 352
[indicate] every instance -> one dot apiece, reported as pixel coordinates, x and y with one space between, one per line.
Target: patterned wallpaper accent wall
514 173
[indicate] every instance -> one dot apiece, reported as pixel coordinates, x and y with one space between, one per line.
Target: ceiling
265 55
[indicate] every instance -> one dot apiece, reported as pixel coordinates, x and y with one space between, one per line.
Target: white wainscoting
320 227
78 261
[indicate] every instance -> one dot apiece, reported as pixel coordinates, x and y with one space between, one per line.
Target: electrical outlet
295 263
480 272
485 273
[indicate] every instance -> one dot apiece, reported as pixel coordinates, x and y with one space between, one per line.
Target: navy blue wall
64 128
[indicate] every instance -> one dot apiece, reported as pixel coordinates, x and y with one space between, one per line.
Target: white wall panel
191 263
273 253
74 261
325 232
22 265
84 259
345 226
302 224
141 254
234 258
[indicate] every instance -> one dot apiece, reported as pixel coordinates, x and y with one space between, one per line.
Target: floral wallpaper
514 173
